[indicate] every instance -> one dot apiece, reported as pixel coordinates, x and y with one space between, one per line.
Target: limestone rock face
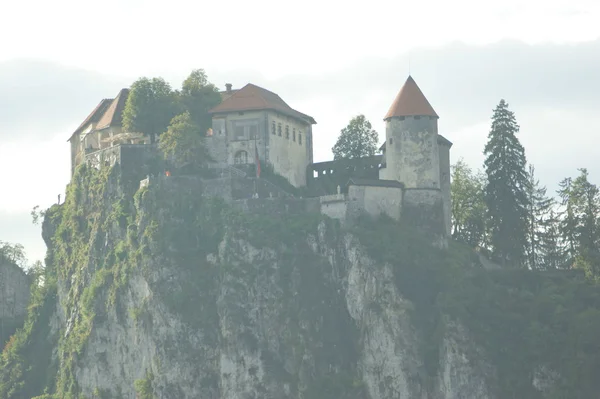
251 318
14 296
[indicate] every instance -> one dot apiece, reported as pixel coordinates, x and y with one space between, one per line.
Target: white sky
270 38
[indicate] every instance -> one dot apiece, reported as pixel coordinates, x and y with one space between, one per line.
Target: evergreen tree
568 218
506 189
586 201
552 251
540 206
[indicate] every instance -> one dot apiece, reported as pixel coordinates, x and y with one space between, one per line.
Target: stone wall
135 161
424 209
412 152
278 206
335 206
375 200
444 146
323 178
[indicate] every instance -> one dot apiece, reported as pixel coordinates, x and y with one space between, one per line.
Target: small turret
412 151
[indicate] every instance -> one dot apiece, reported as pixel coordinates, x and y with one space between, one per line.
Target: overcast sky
329 62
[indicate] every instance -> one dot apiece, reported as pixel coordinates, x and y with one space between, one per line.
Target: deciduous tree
468 205
150 106
356 140
198 96
183 143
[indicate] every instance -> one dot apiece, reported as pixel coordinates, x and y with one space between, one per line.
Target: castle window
294 134
245 129
240 158
390 141
401 118
300 138
279 129
287 132
417 117
273 128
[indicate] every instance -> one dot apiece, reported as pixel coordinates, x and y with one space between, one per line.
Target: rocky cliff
14 297
168 294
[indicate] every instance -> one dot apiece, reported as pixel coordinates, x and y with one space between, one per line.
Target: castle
253 128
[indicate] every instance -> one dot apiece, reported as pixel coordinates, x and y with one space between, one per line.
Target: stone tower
412 153
417 156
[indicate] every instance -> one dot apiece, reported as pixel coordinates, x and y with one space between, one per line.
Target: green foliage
13 254
522 319
581 212
183 143
26 367
540 224
150 106
468 205
198 96
143 387
506 189
356 140
37 215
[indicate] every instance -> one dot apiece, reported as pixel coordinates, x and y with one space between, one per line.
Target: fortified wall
141 165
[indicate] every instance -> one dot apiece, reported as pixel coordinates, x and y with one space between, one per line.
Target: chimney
228 87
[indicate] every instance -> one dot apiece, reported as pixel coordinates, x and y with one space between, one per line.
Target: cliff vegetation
170 294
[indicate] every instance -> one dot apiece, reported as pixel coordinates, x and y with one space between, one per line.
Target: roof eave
305 118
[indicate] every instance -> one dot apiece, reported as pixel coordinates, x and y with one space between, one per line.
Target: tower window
294 134
287 132
417 117
402 118
273 128
391 141
279 129
300 138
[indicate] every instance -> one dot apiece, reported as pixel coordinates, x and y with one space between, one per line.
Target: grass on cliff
101 237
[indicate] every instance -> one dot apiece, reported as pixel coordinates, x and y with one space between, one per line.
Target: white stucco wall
289 154
335 206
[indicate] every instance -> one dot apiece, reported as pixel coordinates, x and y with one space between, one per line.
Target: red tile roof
410 101
94 116
114 114
108 113
255 98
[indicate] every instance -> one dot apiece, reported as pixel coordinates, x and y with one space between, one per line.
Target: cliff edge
171 294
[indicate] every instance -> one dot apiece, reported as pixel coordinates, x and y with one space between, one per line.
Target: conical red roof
410 101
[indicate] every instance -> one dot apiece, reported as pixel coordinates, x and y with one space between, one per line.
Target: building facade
253 122
410 179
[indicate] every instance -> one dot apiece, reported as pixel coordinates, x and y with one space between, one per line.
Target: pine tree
540 206
586 201
552 250
568 218
506 189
